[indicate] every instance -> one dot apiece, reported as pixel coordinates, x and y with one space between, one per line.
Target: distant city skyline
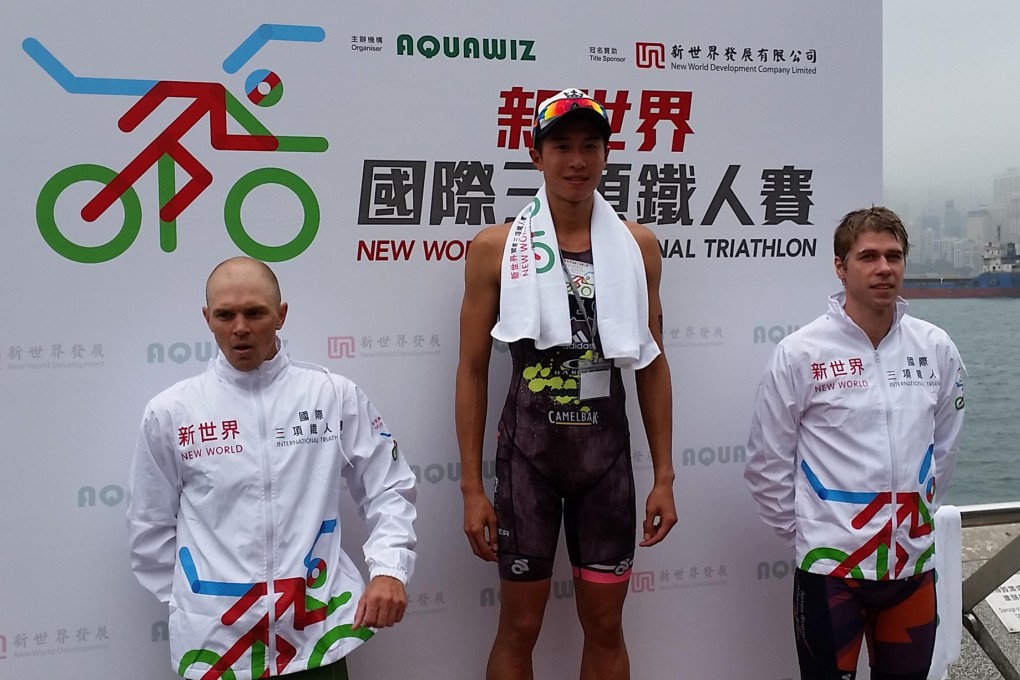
950 102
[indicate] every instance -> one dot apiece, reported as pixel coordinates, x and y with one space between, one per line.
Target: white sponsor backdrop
84 345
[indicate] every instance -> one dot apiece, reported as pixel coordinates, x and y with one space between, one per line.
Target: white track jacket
847 443
234 515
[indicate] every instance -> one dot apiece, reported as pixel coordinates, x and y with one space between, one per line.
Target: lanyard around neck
589 321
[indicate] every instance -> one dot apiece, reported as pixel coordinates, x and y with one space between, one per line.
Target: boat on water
1000 277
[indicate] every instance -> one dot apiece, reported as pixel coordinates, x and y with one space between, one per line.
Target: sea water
987 333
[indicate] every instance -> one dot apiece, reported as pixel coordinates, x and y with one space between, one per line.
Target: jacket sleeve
154 496
772 446
382 485
948 418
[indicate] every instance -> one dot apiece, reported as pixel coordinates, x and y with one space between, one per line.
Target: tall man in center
563 446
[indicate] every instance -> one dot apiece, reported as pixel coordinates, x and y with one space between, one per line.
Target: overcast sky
951 97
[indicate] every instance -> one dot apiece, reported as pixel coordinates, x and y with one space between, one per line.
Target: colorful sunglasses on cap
557 107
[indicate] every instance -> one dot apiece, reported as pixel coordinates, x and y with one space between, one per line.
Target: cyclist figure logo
263 88
905 509
289 593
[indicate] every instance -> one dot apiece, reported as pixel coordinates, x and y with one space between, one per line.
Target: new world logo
167 153
340 346
385 345
426 603
650 55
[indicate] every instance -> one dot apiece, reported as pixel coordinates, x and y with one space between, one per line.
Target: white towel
948 590
533 291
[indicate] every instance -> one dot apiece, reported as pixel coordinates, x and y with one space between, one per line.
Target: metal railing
989 576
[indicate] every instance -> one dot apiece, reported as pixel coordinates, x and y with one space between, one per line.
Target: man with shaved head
235 264
246 291
234 499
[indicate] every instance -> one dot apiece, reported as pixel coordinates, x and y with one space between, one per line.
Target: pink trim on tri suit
592 576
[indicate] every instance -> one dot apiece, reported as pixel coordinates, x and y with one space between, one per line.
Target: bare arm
655 398
477 317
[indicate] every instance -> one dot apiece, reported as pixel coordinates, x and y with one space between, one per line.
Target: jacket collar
838 300
263 375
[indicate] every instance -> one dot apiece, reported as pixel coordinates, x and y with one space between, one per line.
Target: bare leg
520 620
600 609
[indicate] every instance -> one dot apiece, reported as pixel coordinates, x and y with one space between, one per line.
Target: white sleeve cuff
397 573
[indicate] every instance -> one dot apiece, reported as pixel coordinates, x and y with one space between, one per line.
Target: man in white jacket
856 418
234 501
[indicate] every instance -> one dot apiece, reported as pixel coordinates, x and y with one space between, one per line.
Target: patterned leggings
832 614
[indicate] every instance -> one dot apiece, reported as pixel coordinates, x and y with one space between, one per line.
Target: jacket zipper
270 565
893 485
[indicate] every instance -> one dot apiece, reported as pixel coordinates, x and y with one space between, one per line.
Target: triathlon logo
650 55
908 513
167 152
297 592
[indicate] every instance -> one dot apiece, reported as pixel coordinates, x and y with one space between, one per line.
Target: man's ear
837 263
536 158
